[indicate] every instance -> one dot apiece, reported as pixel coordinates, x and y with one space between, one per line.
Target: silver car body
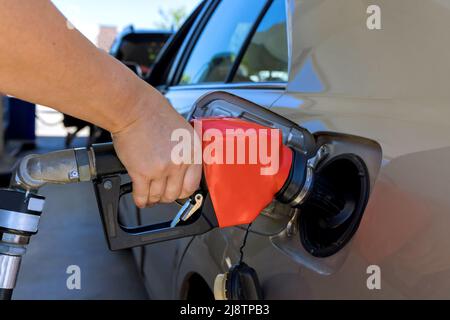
389 85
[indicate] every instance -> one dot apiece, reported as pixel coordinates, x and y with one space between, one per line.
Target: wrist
135 104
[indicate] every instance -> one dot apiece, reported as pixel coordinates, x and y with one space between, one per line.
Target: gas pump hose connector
66 166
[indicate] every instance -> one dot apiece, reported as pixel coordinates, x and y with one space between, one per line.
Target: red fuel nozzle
246 166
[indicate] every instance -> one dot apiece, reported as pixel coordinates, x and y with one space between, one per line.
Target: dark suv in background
139 48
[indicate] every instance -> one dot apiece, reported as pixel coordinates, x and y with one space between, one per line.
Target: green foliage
173 18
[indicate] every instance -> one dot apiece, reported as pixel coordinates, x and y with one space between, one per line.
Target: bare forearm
44 61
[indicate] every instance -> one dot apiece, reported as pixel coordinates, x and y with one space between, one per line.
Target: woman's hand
144 146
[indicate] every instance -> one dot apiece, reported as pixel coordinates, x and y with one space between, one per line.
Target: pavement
70 234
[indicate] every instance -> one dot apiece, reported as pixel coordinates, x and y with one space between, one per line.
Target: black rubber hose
6 294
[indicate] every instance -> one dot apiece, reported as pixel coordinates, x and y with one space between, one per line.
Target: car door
219 50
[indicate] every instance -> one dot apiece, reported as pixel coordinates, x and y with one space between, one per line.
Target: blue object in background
19 119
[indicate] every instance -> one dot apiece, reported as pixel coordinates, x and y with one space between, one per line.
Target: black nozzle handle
108 191
106 161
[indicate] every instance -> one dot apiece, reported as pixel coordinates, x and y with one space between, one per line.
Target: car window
220 42
266 58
